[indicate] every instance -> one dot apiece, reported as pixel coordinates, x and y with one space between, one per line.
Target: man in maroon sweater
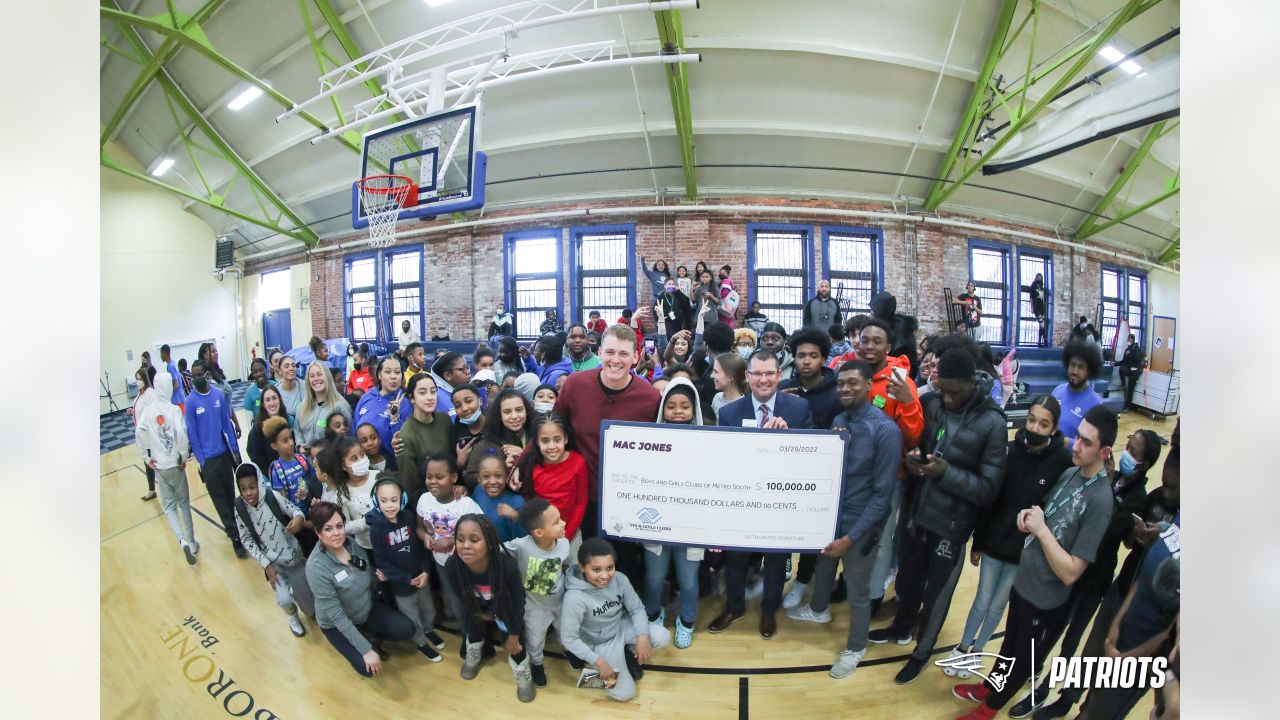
610 392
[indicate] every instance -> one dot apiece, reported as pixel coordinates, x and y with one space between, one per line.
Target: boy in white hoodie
161 439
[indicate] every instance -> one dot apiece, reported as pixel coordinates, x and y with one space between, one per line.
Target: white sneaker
296 626
846 662
806 614
956 652
755 591
195 547
188 552
794 596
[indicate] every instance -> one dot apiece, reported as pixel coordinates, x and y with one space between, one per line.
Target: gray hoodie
592 617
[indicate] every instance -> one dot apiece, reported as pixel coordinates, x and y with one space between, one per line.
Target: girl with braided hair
490 586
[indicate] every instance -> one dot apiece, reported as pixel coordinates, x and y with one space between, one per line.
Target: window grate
533 279
853 269
1028 266
989 267
779 275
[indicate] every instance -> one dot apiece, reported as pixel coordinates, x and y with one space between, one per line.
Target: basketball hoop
382 197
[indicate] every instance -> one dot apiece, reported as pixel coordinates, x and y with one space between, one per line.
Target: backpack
242 510
730 302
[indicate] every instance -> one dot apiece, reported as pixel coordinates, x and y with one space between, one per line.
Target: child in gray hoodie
604 621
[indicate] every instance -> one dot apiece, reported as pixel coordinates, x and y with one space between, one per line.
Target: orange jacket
910 419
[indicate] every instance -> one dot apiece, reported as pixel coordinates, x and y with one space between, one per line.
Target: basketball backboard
439 152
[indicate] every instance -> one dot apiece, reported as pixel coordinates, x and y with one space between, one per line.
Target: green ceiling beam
1090 224
192 37
109 162
175 22
1134 211
347 42
973 111
671 38
945 187
223 147
1173 252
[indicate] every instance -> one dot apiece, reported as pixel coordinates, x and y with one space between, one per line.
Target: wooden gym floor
158 614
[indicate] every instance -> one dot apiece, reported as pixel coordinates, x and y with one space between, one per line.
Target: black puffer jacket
885 307
1029 476
973 443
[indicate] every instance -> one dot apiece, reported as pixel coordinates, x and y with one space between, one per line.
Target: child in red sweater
559 474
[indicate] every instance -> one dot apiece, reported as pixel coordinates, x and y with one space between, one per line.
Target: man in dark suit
769 409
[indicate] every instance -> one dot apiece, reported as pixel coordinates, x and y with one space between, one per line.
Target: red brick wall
464 279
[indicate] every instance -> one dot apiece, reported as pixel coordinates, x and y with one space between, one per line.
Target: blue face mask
1127 463
471 420
745 352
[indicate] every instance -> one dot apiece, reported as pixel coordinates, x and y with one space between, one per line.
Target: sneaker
191 556
471 664
805 613
982 712
887 634
429 652
973 692
238 549
1025 706
1056 709
539 674
756 590
956 652
846 662
684 634
794 596
296 627
910 671
633 664
575 662
434 640
525 690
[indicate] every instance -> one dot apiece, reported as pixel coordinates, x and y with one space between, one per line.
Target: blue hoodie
209 425
178 396
372 409
554 372
397 551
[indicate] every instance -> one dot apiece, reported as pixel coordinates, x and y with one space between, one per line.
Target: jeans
218 474
175 498
995 579
775 575
655 575
383 624
857 574
930 567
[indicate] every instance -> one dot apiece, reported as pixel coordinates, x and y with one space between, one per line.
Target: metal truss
502 23
968 152
671 35
1097 221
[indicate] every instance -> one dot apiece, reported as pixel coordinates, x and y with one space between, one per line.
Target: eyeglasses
765 374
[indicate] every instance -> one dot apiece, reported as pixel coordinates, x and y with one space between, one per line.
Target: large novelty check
720 487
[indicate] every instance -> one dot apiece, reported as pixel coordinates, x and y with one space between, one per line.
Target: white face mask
360 467
543 407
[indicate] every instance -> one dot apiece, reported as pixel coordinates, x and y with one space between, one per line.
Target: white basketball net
382 197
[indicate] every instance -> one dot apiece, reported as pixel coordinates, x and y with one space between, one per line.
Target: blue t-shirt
290 478
507 529
1074 406
253 397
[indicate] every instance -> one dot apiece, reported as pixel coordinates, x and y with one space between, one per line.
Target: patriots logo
972 662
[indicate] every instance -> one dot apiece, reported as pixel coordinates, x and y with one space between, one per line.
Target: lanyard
1054 505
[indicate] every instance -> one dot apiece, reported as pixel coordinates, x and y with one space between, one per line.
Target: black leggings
219 476
383 623
151 479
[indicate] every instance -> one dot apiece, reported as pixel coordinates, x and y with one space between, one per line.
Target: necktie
764 415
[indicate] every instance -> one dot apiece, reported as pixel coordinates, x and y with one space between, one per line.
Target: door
276 330
1163 333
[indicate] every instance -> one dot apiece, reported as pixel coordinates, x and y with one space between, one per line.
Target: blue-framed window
1030 264
534 277
601 271
779 275
1124 294
989 268
852 261
360 296
402 291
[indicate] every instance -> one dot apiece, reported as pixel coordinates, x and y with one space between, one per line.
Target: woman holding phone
387 408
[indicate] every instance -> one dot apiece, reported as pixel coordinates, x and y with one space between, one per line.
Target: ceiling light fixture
251 93
162 167
1114 55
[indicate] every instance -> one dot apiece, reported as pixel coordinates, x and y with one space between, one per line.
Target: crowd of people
466 490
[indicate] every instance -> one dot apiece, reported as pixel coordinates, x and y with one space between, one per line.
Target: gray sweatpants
175 498
538 618
857 576
291 587
613 653
421 609
887 554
